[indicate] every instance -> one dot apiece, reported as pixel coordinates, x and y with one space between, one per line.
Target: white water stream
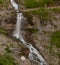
34 54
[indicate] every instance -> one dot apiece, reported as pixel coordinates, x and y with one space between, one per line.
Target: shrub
1 1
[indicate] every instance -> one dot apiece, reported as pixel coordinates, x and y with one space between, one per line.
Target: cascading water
17 32
34 55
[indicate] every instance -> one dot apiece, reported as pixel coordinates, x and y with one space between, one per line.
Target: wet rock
25 52
29 39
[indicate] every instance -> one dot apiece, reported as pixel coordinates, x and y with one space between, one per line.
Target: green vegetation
3 4
31 3
7 59
38 3
58 53
47 2
44 13
55 39
56 10
43 10
8 49
33 31
2 31
1 1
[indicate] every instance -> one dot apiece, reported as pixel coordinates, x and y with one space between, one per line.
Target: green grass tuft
31 3
1 1
55 39
2 31
33 31
7 49
39 3
7 59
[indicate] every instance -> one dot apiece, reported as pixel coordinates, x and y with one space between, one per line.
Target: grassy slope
7 59
45 14
40 3
55 39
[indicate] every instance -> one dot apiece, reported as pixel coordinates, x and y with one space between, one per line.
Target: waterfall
15 5
17 32
34 54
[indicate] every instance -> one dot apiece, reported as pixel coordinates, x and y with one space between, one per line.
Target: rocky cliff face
8 20
36 31
41 31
